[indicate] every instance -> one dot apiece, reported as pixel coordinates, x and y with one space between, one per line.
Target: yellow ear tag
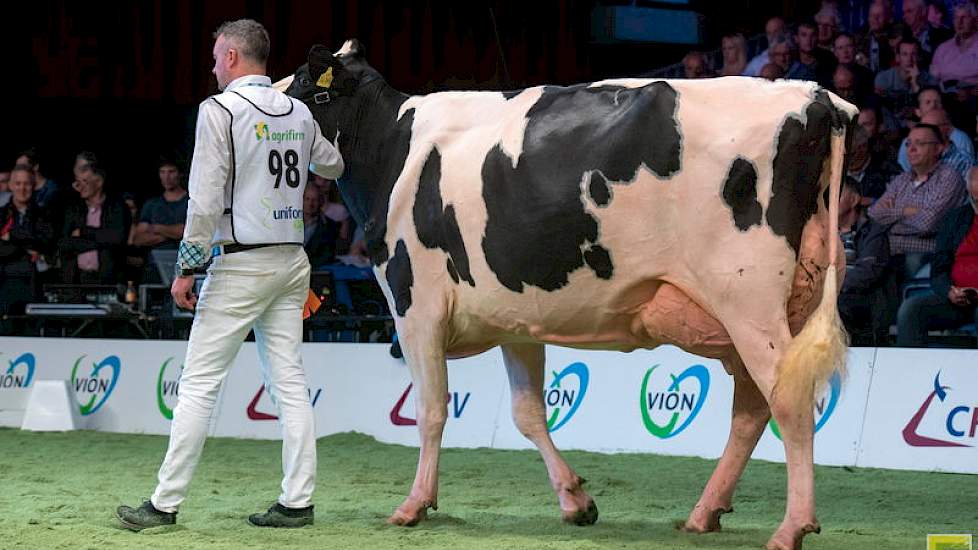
326 79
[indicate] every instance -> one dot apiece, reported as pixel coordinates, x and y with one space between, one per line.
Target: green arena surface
60 490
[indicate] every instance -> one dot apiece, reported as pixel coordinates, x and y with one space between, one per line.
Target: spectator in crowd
4 190
734 49
916 200
334 210
25 239
929 38
773 28
953 297
771 72
814 63
899 85
827 19
929 99
952 156
45 190
883 138
868 172
956 61
937 15
873 40
867 250
782 53
320 232
695 65
162 218
845 55
844 85
95 232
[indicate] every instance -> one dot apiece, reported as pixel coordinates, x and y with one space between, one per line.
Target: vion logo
564 394
19 372
253 413
960 421
455 400
93 389
824 407
168 387
670 402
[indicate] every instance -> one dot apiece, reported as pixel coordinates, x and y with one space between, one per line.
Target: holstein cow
616 215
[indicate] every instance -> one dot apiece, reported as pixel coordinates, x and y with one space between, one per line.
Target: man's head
908 53
850 200
939 118
81 160
915 14
32 160
870 120
169 174
965 16
90 181
806 36
827 20
781 52
876 19
859 149
4 181
844 48
928 99
773 27
240 48
695 65
21 184
924 147
844 82
312 201
936 12
771 72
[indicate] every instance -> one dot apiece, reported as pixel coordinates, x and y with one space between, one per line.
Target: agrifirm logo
564 394
959 420
264 133
19 372
824 407
93 387
253 413
168 387
456 401
670 402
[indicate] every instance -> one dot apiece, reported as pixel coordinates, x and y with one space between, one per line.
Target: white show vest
271 143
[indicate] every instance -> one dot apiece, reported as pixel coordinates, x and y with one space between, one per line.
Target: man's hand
76 233
909 211
182 291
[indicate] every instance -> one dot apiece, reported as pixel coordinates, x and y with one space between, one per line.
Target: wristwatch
183 271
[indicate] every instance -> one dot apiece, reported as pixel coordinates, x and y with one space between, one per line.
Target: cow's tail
820 348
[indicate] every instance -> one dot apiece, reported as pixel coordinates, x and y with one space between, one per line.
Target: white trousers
264 289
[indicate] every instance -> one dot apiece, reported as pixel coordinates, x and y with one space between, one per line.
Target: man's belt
231 248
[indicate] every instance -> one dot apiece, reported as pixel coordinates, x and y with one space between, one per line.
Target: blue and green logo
564 394
19 373
824 407
669 405
167 388
94 389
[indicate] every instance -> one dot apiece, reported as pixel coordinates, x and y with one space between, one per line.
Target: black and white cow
615 215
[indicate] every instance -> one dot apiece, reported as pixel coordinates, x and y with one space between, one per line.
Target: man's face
876 17
169 176
826 29
964 23
89 184
694 67
867 119
806 38
780 55
222 61
923 148
928 101
914 12
908 55
843 83
21 186
773 27
4 180
311 200
844 49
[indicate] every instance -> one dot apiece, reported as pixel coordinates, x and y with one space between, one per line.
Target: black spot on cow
437 226
599 189
801 152
400 278
538 230
740 194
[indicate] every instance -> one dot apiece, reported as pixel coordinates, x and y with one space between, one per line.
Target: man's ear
322 66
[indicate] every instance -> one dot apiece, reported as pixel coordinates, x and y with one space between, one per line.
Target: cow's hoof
410 513
786 538
703 522
586 515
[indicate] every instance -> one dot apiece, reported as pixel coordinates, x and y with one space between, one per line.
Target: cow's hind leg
426 359
524 364
750 415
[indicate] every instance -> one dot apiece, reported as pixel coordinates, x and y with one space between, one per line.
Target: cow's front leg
524 364
426 359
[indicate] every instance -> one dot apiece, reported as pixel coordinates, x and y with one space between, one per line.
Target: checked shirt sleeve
209 174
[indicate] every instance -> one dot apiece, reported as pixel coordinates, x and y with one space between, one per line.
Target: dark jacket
867 270
33 232
951 232
109 239
321 247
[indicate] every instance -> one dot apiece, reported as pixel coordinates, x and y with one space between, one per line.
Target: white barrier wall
897 408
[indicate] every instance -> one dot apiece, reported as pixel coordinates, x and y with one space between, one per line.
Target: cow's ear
322 65
352 48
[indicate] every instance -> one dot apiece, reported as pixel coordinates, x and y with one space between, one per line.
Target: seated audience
734 49
26 238
771 72
867 252
320 231
95 232
953 297
827 21
955 62
845 56
916 201
869 172
899 85
162 218
844 85
873 42
45 190
814 63
916 26
4 190
882 138
695 65
929 99
774 27
952 156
